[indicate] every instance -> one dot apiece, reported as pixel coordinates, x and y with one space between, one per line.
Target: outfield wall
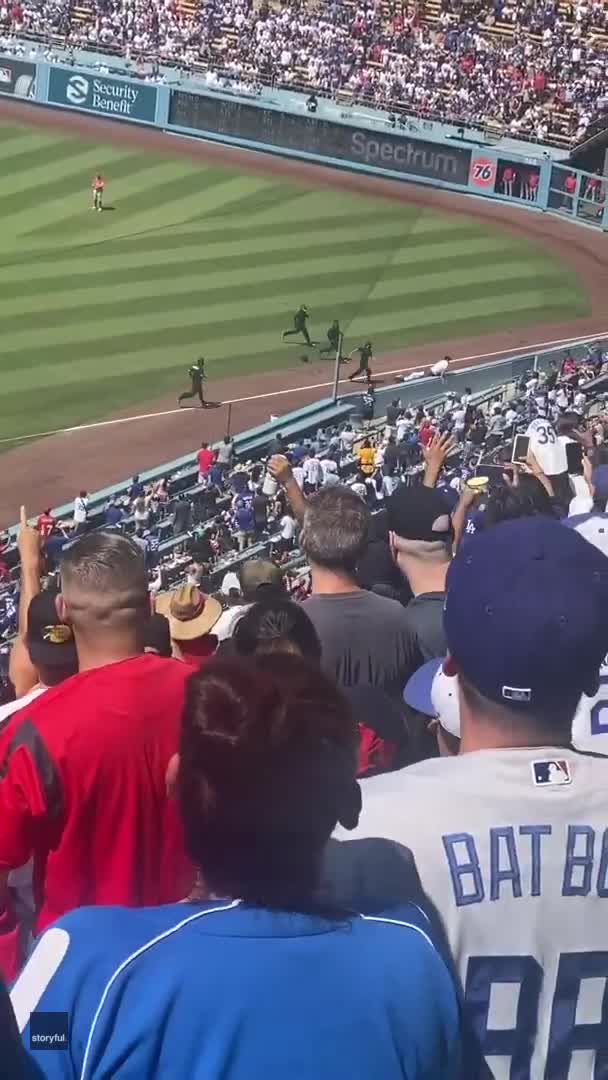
355 140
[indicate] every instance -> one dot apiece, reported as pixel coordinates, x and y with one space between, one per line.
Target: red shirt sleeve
27 777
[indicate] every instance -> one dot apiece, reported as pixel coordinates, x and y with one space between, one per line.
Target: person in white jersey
510 837
551 455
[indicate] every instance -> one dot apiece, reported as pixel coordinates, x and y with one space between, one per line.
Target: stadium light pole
337 367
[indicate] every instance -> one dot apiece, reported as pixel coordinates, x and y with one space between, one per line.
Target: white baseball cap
430 691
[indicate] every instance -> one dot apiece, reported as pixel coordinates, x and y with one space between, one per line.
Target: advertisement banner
483 171
17 78
391 150
116 98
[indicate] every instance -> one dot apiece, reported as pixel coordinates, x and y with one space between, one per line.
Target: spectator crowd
326 769
535 71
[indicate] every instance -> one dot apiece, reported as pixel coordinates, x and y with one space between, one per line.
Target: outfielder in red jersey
98 186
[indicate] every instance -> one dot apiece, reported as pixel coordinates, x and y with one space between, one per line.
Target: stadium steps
82 15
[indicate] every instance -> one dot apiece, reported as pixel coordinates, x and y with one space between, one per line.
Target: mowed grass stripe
63 216
215 324
223 227
264 247
46 179
94 258
223 189
28 152
66 404
172 351
42 208
143 188
173 278
140 298
183 199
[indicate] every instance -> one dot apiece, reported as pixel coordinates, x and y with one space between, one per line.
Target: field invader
197 378
365 357
299 325
98 186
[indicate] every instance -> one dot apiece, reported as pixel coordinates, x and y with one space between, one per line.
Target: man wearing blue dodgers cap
510 837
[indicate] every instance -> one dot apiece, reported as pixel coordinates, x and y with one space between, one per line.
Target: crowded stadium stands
423 590
507 66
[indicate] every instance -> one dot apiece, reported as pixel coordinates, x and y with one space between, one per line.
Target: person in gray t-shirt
366 639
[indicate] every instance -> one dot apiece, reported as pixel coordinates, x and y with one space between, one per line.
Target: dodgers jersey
546 447
222 991
512 848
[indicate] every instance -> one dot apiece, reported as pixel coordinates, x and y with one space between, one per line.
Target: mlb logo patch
553 773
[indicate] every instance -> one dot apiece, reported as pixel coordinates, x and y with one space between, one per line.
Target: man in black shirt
333 339
391 457
197 377
420 539
365 356
299 325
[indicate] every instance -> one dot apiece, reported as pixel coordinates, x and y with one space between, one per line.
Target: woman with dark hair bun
255 977
276 625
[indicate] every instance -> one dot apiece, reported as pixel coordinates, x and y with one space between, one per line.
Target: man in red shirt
509 177
82 768
45 523
531 185
98 186
569 189
205 458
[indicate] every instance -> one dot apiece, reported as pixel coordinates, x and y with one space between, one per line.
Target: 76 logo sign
482 172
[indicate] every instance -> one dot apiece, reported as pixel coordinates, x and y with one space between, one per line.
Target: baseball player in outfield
97 188
510 837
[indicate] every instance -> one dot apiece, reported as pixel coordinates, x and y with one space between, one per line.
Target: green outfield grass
102 311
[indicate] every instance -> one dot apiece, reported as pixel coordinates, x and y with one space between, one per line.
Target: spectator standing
504 833
243 522
205 458
569 192
81 511
192 616
312 473
420 538
240 961
50 646
225 454
259 578
366 638
367 456
182 515
113 514
288 531
83 767
347 439
136 488
45 524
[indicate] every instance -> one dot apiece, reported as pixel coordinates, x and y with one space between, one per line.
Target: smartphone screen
521 444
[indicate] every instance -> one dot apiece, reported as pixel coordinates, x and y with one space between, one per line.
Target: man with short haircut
366 638
420 538
510 836
82 768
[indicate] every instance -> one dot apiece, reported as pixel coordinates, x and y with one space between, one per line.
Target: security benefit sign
17 78
99 94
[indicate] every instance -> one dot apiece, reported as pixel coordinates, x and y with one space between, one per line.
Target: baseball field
103 311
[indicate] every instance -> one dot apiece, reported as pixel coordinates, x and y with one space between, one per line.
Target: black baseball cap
157 635
50 641
419 513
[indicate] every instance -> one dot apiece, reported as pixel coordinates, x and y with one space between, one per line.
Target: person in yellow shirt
366 455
